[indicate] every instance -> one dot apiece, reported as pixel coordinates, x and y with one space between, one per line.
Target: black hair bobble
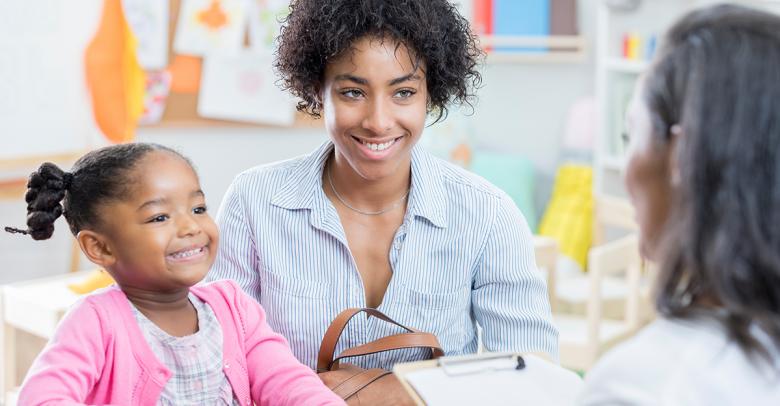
46 188
67 180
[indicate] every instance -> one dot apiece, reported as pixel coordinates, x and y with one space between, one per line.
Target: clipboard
489 378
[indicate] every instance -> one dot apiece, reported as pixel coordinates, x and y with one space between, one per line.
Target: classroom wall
521 109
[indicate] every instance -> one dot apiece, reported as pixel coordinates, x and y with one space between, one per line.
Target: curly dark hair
716 76
98 177
435 33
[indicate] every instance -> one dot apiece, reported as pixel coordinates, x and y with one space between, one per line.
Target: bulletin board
181 107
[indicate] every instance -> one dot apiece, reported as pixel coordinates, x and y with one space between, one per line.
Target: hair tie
67 179
14 230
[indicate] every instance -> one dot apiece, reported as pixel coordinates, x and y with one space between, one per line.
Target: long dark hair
717 75
98 177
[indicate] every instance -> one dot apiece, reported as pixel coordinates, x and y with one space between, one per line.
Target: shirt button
227 366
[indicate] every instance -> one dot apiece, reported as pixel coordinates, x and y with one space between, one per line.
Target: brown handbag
360 386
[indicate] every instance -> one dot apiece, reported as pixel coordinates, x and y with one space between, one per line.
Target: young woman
368 219
138 211
704 175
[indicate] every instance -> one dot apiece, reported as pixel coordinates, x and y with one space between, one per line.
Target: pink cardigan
99 356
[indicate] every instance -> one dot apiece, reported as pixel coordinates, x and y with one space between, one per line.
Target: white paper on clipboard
495 380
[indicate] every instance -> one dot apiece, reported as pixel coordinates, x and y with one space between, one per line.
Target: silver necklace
356 210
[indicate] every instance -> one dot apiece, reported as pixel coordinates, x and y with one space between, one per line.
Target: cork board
181 107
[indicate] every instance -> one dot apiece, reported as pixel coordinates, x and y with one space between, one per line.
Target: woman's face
647 175
374 104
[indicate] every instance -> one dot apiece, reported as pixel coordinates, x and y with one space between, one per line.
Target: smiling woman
369 219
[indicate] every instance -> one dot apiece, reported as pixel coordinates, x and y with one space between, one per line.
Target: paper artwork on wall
114 76
158 86
185 73
264 22
45 106
148 20
242 87
207 26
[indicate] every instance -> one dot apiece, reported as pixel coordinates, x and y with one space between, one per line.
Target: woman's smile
377 149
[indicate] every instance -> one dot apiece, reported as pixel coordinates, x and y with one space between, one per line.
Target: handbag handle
411 339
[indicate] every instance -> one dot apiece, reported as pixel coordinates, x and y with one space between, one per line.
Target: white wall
521 109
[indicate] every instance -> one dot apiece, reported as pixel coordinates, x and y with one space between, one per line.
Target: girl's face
647 175
161 237
374 105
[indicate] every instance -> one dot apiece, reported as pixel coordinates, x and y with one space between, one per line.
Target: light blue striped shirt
463 256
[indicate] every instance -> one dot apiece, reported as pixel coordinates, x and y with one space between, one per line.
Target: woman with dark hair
370 220
704 175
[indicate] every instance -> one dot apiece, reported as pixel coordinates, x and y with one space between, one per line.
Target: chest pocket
292 286
457 299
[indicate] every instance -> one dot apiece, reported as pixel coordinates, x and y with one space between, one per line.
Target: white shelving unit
616 76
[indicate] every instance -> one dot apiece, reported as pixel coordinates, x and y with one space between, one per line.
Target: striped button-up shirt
462 257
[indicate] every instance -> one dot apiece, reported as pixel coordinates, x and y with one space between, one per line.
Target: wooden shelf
554 49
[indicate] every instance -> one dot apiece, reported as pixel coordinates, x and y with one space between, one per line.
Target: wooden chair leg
75 256
8 345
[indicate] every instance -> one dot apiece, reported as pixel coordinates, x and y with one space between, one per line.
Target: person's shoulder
225 288
225 291
461 180
103 299
95 310
271 172
260 183
638 370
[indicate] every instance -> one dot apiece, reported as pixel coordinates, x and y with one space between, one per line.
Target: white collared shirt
691 362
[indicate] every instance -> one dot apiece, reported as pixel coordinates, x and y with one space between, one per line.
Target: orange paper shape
213 17
114 76
185 74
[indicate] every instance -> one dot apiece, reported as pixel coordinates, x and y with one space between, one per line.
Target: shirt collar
426 197
305 180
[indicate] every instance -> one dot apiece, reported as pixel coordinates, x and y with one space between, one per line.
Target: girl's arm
275 375
69 367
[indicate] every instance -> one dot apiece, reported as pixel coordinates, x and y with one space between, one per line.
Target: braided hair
99 177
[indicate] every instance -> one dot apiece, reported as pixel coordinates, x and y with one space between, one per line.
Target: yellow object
97 279
569 216
633 47
114 76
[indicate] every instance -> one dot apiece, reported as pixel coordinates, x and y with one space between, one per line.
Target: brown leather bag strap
393 342
358 381
332 335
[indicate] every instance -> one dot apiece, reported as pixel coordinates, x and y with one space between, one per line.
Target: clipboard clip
457 366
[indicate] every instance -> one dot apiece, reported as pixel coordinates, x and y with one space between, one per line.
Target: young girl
138 211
